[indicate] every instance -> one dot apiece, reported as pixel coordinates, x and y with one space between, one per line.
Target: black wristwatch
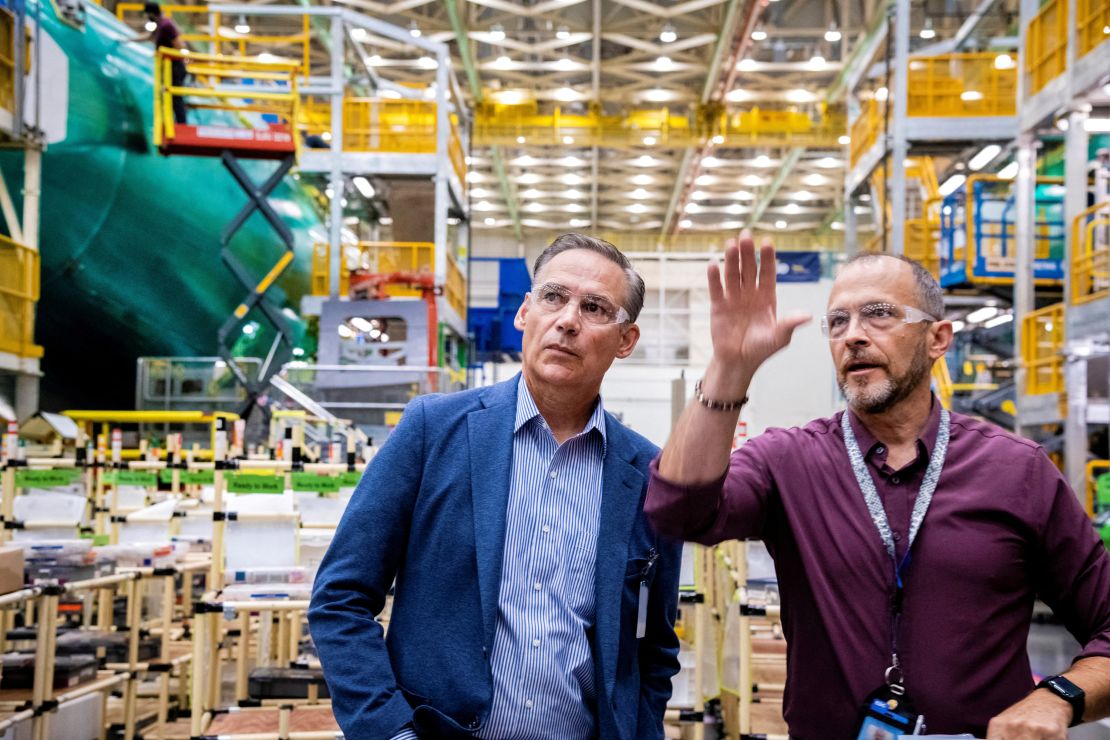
1070 693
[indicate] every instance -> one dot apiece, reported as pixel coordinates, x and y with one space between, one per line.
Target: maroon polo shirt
1003 529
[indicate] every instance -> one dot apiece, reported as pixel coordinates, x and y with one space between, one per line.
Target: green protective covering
1105 532
130 238
1102 491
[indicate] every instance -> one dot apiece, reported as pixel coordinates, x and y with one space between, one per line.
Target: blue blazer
430 511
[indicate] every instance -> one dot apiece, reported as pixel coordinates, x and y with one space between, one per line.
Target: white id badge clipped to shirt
641 611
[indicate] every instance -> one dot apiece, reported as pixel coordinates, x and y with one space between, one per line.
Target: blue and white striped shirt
543 672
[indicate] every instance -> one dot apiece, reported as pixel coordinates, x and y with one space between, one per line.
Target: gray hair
929 294
634 300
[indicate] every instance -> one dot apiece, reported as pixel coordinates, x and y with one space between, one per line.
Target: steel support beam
899 144
789 162
1024 236
475 83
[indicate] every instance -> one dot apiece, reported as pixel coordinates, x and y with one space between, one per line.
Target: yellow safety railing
1092 24
1095 469
866 129
386 125
709 241
1090 257
7 59
1047 44
942 379
960 86
1042 343
386 258
512 125
206 29
219 83
19 292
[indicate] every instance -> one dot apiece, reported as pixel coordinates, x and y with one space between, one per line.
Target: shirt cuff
406 734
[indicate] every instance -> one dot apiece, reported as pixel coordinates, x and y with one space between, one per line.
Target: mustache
860 358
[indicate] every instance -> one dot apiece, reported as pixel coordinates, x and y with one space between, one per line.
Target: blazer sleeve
355 577
659 646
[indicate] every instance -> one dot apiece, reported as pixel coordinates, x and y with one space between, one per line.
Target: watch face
1064 687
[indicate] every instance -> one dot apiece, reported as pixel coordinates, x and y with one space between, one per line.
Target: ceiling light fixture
844 140
950 185
1009 172
985 156
668 35
927 31
833 34
562 33
758 34
414 30
497 33
242 26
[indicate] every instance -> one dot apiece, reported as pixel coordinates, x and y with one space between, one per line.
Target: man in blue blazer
532 599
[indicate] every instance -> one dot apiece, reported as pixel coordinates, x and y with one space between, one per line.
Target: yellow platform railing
218 84
1090 258
1092 24
1095 469
1042 344
865 130
960 86
386 125
207 31
942 380
19 292
513 125
1047 44
385 258
7 59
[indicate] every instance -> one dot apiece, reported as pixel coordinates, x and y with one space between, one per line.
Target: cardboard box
11 569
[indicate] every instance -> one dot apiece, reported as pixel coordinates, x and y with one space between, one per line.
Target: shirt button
554 474
546 528
896 480
880 449
535 643
537 586
897 537
528 703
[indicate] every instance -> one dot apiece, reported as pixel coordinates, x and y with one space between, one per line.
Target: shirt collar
927 438
526 411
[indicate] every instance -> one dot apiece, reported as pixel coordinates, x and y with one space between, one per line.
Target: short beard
879 397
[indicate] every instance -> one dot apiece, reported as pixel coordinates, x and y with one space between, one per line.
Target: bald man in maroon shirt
909 543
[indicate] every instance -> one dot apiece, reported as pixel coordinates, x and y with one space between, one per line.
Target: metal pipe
899 146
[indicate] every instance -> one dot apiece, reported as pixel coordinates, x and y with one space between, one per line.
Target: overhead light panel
985 156
952 184
998 321
1097 125
363 185
668 35
982 314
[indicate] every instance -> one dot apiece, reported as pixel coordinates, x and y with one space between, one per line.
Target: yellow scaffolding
1092 24
220 40
1047 42
960 86
1042 343
386 258
513 125
221 80
19 292
1090 258
385 125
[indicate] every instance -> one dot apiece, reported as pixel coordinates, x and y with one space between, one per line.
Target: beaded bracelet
709 403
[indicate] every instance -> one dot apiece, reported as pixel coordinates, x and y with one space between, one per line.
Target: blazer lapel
490 435
620 505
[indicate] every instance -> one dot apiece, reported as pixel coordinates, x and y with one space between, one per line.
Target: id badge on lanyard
888 711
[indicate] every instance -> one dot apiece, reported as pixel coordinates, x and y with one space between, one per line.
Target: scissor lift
253 108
